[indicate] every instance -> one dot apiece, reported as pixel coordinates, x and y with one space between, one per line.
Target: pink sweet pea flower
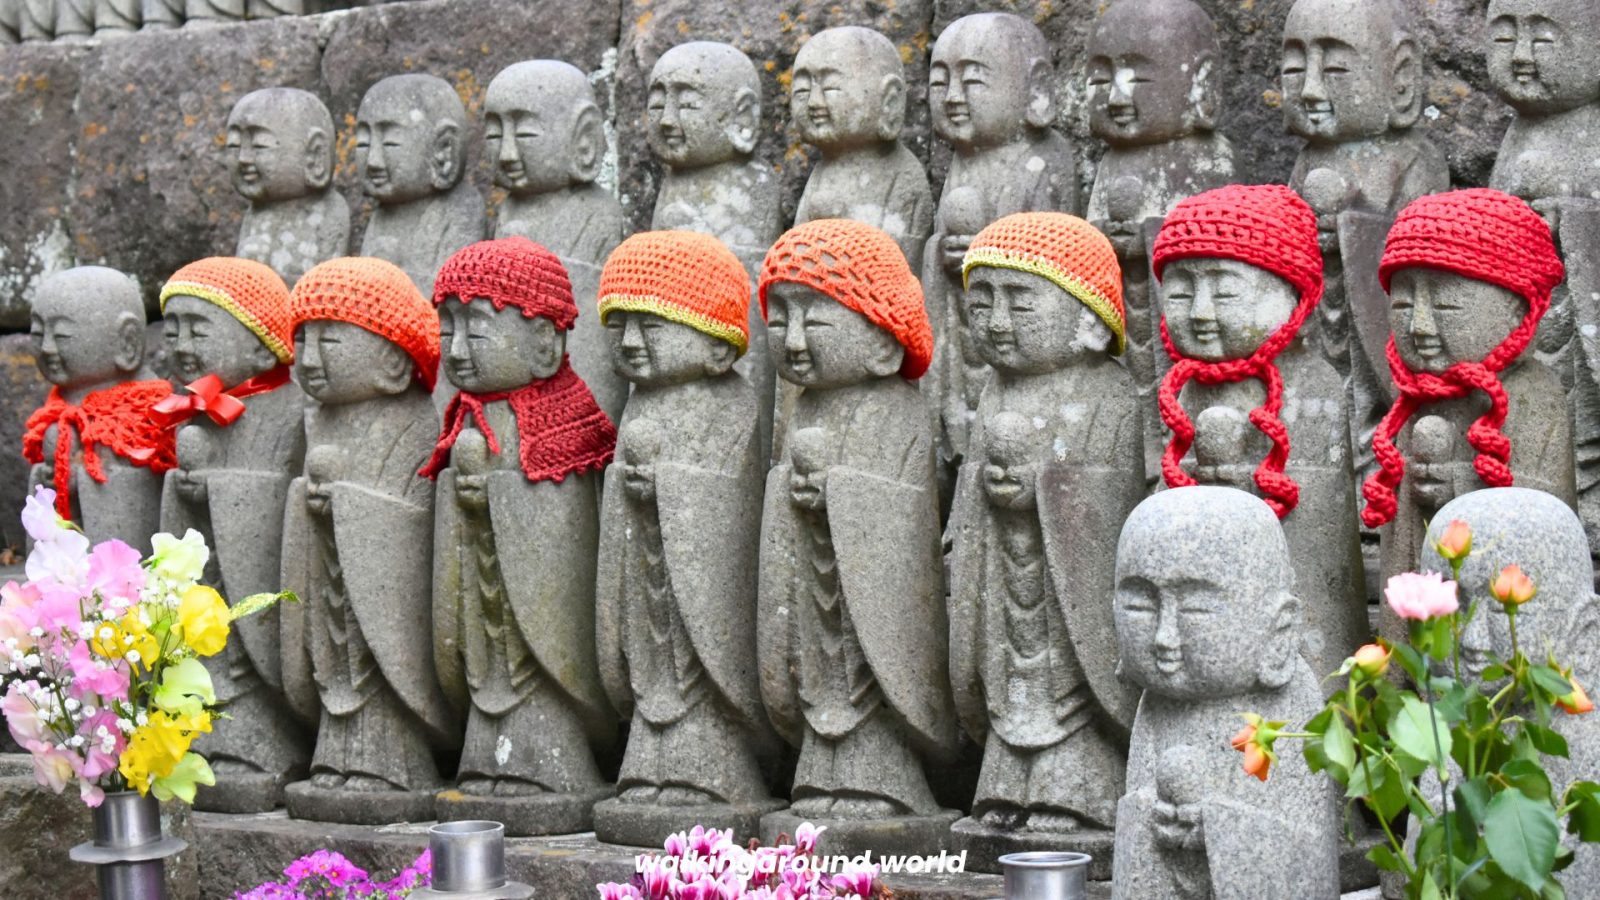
94 676
63 559
39 518
115 572
22 717
52 767
59 607
103 746
1421 597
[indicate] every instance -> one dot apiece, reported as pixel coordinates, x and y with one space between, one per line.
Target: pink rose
1421 597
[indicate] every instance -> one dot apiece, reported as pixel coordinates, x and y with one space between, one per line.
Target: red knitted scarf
562 430
1277 489
117 418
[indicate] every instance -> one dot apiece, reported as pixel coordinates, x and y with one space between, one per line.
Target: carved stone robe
291 236
420 235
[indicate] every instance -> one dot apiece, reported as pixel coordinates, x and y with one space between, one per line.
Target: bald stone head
1351 70
411 133
542 127
848 90
280 145
1534 530
990 81
1542 55
1153 72
704 105
87 326
1205 605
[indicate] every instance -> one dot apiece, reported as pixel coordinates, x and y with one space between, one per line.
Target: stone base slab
242 793
901 835
648 825
984 845
307 801
533 814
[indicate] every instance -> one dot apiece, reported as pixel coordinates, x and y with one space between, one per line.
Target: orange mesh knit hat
378 296
250 291
862 268
682 276
1065 249
511 271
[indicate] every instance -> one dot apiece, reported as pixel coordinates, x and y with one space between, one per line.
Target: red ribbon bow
207 396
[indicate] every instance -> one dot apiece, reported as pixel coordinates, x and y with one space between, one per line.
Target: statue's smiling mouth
1122 116
248 173
1318 111
1205 332
1169 662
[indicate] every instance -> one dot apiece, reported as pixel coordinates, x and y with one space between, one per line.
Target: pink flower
855 882
1421 597
614 891
324 864
90 793
95 676
103 744
63 559
59 607
52 767
22 717
114 571
39 517
805 837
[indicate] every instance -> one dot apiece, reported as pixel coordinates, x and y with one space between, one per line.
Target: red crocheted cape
117 418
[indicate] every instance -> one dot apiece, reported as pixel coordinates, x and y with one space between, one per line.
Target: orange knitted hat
378 296
682 276
249 291
862 268
1065 249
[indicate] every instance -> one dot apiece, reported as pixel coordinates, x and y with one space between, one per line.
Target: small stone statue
358 537
1240 273
851 634
1033 531
1202 572
1470 275
678 544
1541 534
230 337
94 440
1222 448
848 99
1157 113
411 151
280 154
115 18
704 111
546 137
517 465
991 94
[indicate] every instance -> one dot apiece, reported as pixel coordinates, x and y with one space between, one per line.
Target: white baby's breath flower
133 656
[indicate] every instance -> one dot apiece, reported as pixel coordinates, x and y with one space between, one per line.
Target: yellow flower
155 747
203 620
135 640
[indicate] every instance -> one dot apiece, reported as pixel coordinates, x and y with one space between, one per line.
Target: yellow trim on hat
649 303
211 294
1088 296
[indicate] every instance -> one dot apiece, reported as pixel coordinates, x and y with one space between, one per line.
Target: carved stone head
1541 54
1432 458
542 127
818 342
1221 309
653 351
1441 318
1153 73
990 81
279 145
1011 474
411 133
1023 323
1350 70
486 349
325 464
1205 605
640 441
203 338
87 326
848 90
704 105
808 480
1222 447
340 362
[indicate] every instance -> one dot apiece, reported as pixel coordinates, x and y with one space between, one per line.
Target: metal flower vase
1046 875
469 863
128 848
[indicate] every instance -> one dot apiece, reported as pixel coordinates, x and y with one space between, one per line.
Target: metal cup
1046 875
468 856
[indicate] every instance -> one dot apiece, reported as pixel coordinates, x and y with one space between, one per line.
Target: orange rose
1246 735
1576 703
1256 762
1456 542
1372 659
1512 586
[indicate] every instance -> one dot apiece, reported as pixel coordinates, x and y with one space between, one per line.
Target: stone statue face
276 151
87 326
1151 72
1023 323
541 127
1011 476
1220 309
203 339
1221 443
817 342
402 152
338 363
848 89
651 351
703 106
1338 70
1441 318
1541 54
486 349
979 85
1431 461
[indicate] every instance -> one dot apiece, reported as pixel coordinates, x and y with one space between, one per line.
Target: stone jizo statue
518 466
678 544
116 18
279 153
1206 621
240 439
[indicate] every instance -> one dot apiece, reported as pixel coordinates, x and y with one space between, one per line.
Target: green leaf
1472 799
1584 820
1546 740
257 602
1528 777
1419 734
1492 673
1384 857
1550 680
1522 836
1338 746
1409 660
1429 890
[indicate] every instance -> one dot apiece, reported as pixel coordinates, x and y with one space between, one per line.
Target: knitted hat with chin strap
1487 236
1270 227
511 271
375 295
683 276
862 268
248 290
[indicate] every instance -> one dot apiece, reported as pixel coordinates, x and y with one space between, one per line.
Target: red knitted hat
1065 249
682 276
247 290
862 268
1487 236
511 271
1270 227
378 296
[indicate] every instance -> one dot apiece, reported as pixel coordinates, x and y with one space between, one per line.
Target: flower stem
1444 794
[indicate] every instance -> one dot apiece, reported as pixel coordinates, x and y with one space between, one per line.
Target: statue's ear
1204 93
588 145
319 159
549 345
129 355
745 121
1279 649
262 359
1405 78
393 369
1041 94
723 356
446 156
892 112
887 356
